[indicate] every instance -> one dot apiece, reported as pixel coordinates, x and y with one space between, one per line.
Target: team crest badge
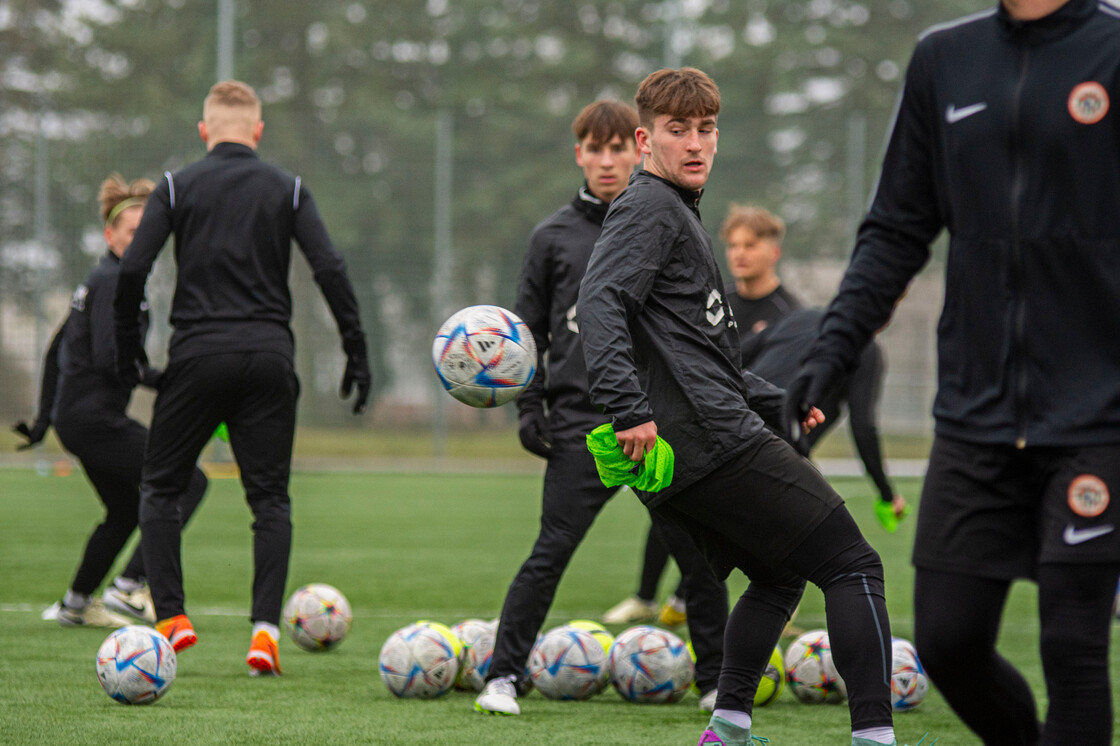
1087 496
1088 102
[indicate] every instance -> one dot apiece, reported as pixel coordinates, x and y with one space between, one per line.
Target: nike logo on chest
954 115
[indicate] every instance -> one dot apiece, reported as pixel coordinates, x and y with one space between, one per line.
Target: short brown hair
115 190
604 119
686 92
231 102
764 223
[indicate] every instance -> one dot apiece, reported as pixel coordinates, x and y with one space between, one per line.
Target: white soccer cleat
498 698
632 609
137 604
50 613
94 615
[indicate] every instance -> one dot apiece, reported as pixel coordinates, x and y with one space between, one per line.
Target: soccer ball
317 616
568 663
773 680
811 674
605 638
909 684
420 661
648 664
136 665
472 632
484 355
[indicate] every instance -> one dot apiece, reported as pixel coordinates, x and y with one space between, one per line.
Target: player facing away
86 402
1008 137
663 360
233 217
556 415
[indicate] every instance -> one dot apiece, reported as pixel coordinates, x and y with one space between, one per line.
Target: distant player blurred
233 218
86 402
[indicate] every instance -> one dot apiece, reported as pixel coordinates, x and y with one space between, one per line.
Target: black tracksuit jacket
231 290
659 339
1008 136
555 261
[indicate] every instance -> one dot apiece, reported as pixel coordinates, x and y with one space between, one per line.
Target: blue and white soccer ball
650 665
810 672
568 663
420 661
477 638
484 355
136 665
909 683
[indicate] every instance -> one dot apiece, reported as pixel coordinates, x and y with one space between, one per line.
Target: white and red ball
650 665
568 663
136 665
317 617
810 672
909 683
420 661
484 355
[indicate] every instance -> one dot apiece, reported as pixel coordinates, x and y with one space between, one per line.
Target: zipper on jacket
1019 321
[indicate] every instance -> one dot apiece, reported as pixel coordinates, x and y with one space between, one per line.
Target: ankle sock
884 735
127 585
271 629
75 601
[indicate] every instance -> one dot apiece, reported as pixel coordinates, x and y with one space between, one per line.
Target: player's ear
258 130
202 131
642 137
579 155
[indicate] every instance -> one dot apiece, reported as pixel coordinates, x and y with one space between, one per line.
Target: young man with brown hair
556 416
234 218
663 360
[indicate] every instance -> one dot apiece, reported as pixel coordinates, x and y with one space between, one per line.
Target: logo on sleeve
78 301
1087 496
570 317
715 308
1088 102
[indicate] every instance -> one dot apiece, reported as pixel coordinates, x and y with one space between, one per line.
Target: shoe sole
484 711
183 640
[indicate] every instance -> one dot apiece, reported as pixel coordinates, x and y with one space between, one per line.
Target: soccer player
752 238
663 361
233 217
556 416
1007 136
82 397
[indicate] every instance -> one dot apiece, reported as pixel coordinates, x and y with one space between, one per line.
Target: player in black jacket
663 360
1008 136
556 416
233 217
83 398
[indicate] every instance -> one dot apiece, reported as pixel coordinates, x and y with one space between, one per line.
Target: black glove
357 374
34 434
532 429
805 391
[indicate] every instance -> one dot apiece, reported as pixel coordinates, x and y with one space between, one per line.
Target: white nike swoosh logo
1074 536
954 115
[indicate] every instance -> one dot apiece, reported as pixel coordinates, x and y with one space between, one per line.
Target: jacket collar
590 206
1061 22
690 197
232 150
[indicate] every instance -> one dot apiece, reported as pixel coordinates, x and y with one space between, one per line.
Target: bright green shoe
888 518
720 732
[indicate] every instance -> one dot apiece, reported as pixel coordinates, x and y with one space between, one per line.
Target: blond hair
604 119
231 104
761 221
116 195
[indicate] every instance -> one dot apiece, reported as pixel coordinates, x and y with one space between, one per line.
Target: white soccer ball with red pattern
810 672
909 683
568 663
136 665
420 661
484 355
650 665
317 616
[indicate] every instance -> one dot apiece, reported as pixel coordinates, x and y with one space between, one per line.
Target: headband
122 206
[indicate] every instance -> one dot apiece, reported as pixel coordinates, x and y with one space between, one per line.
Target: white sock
75 601
271 629
883 735
127 585
735 717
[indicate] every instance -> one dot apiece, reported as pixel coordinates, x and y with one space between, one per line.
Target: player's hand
637 441
33 434
532 429
357 374
807 388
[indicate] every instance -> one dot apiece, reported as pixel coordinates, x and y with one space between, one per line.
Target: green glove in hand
652 474
884 511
